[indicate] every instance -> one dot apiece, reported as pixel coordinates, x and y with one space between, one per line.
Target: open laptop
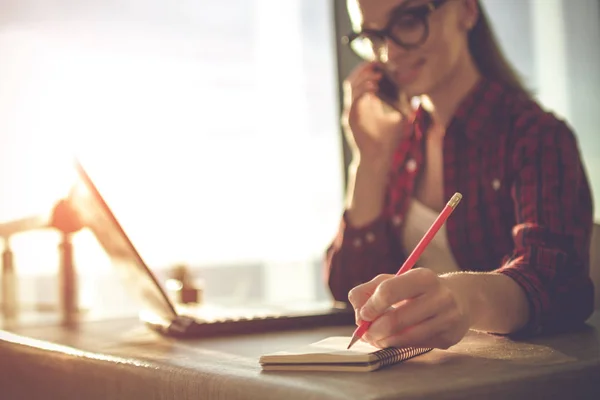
160 312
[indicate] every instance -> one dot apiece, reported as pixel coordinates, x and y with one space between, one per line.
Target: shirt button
357 242
411 165
370 236
496 184
397 220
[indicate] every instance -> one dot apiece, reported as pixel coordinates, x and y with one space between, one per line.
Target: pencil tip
352 341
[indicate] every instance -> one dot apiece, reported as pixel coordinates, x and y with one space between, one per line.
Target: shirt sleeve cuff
535 298
366 237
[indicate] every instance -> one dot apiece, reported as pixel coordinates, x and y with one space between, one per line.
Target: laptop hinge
180 325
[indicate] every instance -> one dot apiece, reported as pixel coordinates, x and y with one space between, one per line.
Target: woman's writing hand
373 128
417 309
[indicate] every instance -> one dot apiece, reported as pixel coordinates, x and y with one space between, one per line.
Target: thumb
359 295
437 128
406 107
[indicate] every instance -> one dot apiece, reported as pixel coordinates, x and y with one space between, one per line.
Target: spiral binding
393 355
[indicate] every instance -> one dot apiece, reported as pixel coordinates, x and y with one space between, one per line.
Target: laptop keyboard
211 314
209 321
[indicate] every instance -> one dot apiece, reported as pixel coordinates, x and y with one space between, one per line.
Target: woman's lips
407 75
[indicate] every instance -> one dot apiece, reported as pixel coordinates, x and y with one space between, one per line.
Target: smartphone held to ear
388 91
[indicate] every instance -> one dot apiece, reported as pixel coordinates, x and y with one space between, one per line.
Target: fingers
366 78
366 84
361 293
357 319
356 95
409 313
392 291
419 335
364 87
361 72
440 331
432 319
363 79
405 106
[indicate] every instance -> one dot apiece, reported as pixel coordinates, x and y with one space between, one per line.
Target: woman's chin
420 86
416 88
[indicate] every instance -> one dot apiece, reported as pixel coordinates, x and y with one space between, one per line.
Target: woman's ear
469 13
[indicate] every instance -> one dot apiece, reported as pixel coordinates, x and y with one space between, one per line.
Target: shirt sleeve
358 254
554 218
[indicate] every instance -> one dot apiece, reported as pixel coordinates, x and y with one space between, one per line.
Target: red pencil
416 253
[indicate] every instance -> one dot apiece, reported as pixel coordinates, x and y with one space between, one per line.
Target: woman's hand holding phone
373 126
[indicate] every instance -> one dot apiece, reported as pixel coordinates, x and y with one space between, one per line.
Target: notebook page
330 350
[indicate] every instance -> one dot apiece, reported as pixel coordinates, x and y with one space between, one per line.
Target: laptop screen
97 216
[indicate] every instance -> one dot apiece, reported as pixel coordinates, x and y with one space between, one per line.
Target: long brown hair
488 55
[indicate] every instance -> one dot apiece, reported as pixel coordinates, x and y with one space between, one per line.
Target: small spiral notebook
331 355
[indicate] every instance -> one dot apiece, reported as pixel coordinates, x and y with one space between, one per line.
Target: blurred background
212 129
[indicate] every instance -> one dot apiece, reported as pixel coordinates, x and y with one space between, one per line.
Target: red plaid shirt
526 212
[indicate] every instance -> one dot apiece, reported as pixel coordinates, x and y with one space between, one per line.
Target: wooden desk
123 360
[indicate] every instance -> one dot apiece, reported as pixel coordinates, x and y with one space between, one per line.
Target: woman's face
423 69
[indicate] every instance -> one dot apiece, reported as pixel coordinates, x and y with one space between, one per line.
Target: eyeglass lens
406 30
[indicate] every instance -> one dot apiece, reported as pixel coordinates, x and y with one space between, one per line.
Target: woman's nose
394 51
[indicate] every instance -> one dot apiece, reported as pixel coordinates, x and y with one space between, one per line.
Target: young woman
513 258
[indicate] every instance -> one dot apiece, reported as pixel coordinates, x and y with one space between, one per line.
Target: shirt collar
472 117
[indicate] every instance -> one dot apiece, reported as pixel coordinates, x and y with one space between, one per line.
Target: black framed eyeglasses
408 27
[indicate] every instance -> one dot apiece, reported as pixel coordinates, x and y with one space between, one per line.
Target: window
211 127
